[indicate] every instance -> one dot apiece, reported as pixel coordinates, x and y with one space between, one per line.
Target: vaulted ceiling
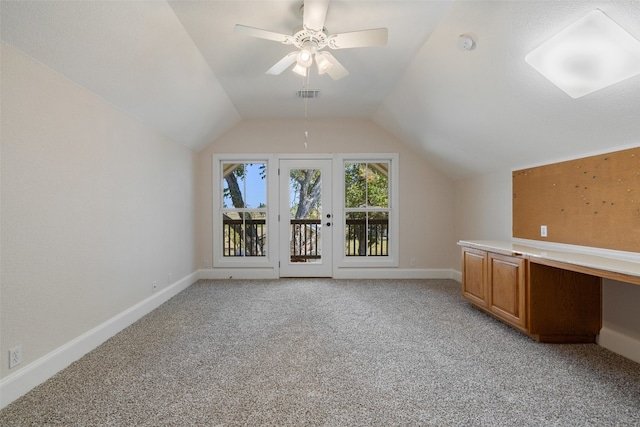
180 67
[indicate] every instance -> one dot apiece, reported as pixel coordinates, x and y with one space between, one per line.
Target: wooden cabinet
547 303
474 276
507 289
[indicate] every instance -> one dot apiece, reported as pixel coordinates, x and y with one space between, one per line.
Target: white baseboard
342 273
457 276
620 343
239 273
20 382
394 273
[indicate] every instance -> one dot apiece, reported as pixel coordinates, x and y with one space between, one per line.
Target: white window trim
340 260
271 259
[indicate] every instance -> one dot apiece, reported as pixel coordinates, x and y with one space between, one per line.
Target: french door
306 220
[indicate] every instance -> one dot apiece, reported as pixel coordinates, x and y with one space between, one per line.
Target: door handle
328 215
328 224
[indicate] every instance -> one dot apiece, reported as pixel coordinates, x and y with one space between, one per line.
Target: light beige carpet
332 353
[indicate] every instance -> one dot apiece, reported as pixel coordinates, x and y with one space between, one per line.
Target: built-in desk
552 296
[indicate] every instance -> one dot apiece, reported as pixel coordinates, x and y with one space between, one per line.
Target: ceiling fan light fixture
323 63
300 69
304 59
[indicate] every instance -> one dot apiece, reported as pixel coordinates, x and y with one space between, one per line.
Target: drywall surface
426 196
620 308
95 207
483 207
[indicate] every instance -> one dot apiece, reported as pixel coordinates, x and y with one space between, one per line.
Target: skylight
589 55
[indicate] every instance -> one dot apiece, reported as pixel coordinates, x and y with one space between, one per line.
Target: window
369 213
244 209
366 209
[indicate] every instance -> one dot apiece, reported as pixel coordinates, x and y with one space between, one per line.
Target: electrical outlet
15 356
206 263
543 231
154 286
412 263
169 278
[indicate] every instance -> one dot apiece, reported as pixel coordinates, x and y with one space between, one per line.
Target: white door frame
324 266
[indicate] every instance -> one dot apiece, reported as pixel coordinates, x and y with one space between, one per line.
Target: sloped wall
426 196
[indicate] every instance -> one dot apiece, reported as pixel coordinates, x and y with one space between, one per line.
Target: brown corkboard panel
594 201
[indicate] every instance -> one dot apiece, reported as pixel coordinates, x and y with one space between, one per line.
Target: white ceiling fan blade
364 38
262 34
283 64
315 11
336 70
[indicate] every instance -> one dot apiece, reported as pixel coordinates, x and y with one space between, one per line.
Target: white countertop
606 263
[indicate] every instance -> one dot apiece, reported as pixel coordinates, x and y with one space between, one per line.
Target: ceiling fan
311 37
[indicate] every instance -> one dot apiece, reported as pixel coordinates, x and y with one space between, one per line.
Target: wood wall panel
593 201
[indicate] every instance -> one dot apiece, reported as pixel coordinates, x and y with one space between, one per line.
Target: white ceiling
179 67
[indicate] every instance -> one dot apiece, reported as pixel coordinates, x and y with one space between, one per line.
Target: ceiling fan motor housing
303 37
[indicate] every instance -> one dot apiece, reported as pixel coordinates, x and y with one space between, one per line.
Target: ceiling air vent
307 93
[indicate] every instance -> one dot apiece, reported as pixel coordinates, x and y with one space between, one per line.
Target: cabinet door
507 284
474 283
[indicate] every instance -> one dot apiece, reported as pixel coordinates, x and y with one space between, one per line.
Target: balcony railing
305 239
248 238
372 242
244 237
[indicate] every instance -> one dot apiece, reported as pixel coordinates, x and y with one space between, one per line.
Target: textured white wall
426 196
620 302
95 207
483 207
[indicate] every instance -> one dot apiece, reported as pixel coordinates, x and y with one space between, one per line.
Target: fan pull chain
305 85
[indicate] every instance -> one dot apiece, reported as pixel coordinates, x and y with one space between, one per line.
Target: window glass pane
377 185
256 185
244 234
244 185
233 175
355 188
355 233
378 234
255 234
232 242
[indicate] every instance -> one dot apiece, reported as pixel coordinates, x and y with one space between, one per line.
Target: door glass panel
305 236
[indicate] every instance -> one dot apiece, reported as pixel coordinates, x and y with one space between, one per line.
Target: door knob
328 224
328 215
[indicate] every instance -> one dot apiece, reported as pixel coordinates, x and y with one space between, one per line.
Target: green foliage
366 185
